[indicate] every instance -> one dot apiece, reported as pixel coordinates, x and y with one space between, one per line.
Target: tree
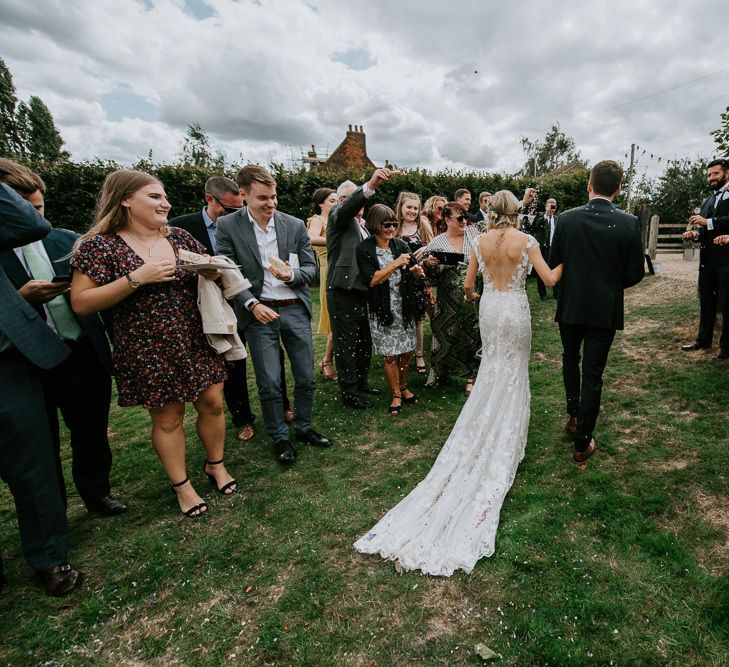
555 150
196 149
721 135
44 141
680 190
8 100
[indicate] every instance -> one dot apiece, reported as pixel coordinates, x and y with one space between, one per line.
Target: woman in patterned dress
454 324
386 266
128 263
417 233
323 200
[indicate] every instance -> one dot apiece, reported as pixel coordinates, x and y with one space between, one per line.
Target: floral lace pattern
450 519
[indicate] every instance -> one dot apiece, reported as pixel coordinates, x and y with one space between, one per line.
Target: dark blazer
58 245
20 323
236 239
711 254
478 216
343 237
195 224
378 297
602 251
539 229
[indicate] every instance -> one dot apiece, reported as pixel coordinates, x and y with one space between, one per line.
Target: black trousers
708 297
351 334
235 390
80 388
583 398
27 463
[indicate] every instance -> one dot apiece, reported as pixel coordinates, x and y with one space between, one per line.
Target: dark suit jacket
343 237
602 251
478 216
539 229
195 224
58 244
236 239
711 254
20 323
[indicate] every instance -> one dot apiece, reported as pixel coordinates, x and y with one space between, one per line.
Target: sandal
395 409
330 374
420 369
233 485
196 510
469 388
409 400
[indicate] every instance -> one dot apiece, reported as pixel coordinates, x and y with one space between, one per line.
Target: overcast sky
452 83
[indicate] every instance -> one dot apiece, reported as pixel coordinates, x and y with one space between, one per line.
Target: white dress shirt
273 288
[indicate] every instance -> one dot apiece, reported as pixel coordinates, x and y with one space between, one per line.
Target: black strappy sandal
409 400
233 484
196 510
395 409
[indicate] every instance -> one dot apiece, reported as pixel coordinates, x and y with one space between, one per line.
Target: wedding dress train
449 520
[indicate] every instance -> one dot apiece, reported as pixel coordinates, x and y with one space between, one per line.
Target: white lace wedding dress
449 520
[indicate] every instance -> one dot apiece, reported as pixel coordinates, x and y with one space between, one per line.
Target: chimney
312 152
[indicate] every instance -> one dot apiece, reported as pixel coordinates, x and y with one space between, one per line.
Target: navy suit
602 251
28 345
195 224
80 387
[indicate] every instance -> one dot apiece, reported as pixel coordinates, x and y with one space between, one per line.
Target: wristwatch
133 283
252 305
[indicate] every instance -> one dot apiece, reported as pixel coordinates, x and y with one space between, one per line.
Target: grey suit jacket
343 237
20 324
235 238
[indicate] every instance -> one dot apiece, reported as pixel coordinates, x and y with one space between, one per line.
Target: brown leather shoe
246 432
690 347
581 457
723 353
60 579
571 424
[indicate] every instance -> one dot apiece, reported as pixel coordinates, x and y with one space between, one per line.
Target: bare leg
211 431
168 440
419 344
329 352
403 363
392 373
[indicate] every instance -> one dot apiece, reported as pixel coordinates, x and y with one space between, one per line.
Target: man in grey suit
27 463
275 254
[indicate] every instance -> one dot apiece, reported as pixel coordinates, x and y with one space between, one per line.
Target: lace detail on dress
450 519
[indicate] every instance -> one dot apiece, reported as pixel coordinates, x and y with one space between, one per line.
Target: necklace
147 248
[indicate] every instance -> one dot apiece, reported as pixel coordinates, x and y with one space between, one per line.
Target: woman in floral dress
128 263
386 267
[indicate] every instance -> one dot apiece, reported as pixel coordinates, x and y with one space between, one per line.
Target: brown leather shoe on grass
581 457
246 432
571 424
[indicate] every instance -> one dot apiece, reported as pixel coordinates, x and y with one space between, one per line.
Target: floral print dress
161 355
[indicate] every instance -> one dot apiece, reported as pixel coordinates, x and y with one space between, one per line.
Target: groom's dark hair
606 177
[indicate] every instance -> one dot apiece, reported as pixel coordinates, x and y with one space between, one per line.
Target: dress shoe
581 457
354 401
246 432
571 424
312 437
285 453
690 347
106 506
368 389
60 579
723 353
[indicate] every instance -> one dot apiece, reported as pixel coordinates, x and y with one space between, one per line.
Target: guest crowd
180 300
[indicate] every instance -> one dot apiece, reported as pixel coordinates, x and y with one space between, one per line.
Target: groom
602 251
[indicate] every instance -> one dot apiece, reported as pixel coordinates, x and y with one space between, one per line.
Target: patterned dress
396 338
454 324
160 355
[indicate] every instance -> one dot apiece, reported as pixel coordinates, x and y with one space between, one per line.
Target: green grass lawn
624 562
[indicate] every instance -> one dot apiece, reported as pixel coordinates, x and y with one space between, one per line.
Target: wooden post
631 169
653 236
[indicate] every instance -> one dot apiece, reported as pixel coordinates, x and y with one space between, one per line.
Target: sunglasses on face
389 225
458 218
228 209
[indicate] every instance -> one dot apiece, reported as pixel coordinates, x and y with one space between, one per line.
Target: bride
449 520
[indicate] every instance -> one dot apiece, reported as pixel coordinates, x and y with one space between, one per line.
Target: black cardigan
379 295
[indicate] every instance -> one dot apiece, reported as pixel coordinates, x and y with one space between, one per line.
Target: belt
280 303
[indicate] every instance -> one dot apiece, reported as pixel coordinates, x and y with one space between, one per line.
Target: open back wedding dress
449 520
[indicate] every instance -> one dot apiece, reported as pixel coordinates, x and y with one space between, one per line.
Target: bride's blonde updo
506 207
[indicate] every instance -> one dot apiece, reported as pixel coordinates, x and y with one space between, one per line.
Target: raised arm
20 223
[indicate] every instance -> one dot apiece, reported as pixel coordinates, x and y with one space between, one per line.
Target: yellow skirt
324 325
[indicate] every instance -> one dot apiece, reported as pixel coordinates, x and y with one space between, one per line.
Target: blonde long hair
110 216
506 207
426 236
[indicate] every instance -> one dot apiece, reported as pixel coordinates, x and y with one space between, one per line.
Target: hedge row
72 187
